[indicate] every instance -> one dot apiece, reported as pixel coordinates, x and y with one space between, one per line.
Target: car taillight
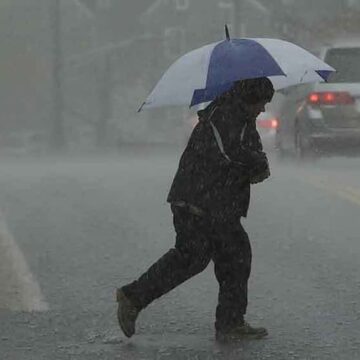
272 123
330 98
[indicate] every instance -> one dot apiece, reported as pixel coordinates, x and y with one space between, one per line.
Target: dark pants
198 240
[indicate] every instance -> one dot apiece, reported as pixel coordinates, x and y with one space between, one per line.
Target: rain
85 178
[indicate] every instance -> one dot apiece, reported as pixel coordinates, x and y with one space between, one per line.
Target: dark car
324 118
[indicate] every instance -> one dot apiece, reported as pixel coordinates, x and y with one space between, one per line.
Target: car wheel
280 152
303 149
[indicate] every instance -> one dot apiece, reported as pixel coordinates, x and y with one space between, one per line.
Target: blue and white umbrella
205 73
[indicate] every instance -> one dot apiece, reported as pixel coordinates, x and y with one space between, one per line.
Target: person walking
208 197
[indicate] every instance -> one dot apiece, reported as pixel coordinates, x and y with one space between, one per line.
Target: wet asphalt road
87 225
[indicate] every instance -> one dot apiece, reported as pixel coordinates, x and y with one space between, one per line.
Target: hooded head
252 91
253 94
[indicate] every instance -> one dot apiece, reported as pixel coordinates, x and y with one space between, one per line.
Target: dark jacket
205 177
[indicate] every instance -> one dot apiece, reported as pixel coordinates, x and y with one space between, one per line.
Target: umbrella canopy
205 73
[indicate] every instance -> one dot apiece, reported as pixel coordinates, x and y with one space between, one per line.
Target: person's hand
259 171
260 177
255 157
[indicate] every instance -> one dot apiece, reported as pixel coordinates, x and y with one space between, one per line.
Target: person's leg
191 255
232 259
232 268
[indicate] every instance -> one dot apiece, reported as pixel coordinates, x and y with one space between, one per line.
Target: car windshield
346 62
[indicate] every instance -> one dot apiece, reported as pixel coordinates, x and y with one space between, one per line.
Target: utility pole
57 141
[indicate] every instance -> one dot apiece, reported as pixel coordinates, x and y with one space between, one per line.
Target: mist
84 178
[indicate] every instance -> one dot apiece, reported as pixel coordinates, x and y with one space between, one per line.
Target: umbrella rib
302 78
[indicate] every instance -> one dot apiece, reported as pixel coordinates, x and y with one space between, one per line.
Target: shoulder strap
217 135
221 146
219 141
243 133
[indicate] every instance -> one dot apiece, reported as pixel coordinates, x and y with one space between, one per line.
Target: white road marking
346 192
19 289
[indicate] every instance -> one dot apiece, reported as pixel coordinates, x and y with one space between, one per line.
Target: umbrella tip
141 107
227 33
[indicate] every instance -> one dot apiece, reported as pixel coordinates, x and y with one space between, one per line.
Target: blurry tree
90 4
115 31
345 26
111 46
24 69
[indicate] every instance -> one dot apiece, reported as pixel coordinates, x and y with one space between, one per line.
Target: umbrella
205 73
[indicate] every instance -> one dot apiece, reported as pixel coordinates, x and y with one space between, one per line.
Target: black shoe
127 313
241 332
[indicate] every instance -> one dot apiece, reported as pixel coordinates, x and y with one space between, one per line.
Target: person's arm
260 170
207 145
250 153
204 143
